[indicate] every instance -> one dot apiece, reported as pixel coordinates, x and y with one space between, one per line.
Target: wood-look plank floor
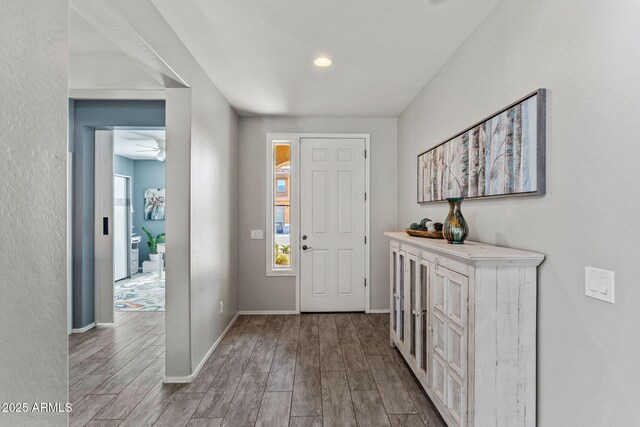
293 370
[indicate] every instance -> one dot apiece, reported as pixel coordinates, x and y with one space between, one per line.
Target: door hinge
365 282
365 197
365 240
365 154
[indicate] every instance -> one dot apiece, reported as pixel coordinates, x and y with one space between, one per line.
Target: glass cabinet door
423 318
400 296
397 278
394 297
412 313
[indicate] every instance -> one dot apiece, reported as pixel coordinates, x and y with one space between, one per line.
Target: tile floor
294 370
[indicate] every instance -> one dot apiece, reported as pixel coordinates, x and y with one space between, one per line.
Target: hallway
298 370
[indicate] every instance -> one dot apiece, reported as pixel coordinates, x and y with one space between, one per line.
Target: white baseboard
85 329
379 311
258 312
190 378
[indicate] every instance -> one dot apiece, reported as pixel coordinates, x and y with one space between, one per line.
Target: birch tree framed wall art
502 155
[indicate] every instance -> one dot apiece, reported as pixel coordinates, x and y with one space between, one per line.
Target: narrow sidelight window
281 229
281 225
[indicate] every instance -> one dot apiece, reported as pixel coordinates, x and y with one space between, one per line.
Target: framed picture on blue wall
154 204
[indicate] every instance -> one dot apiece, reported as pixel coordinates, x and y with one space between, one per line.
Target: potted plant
152 242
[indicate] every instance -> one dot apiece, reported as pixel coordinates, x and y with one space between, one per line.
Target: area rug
142 292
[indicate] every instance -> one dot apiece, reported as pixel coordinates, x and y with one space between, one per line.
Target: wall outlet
257 234
599 284
221 307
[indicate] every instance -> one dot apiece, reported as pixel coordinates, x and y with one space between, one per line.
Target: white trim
69 242
119 94
190 378
85 329
271 139
379 311
295 173
266 312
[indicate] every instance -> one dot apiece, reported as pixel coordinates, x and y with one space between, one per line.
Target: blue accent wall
123 166
148 174
87 117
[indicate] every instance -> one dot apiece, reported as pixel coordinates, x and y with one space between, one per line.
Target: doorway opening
138 219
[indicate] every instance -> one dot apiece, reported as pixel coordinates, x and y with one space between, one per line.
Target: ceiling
259 53
130 142
85 38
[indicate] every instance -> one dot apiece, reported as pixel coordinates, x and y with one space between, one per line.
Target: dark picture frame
500 156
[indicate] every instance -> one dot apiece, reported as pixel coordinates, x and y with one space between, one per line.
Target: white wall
208 204
586 54
259 292
107 70
33 143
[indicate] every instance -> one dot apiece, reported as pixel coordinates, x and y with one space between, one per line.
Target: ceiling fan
160 149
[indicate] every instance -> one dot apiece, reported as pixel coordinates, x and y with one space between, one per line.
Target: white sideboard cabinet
464 319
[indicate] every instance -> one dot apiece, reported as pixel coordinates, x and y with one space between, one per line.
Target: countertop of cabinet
473 252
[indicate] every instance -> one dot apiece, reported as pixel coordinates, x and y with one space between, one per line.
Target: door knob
305 247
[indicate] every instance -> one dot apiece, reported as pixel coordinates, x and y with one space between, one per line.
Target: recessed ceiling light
322 61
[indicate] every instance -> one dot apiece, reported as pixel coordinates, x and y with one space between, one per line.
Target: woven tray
428 234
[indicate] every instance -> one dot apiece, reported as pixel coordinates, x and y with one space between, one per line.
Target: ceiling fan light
161 155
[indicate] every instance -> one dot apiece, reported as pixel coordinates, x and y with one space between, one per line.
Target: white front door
332 224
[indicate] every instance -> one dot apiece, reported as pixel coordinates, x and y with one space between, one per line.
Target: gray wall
33 230
202 163
148 174
259 292
214 217
88 116
586 54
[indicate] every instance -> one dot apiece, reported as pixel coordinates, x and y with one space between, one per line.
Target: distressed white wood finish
332 216
480 302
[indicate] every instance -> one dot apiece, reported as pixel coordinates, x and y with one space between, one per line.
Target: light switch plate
257 234
599 284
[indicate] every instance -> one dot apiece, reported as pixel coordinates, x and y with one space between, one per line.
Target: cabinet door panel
438 292
438 375
449 339
456 298
454 350
455 397
438 335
